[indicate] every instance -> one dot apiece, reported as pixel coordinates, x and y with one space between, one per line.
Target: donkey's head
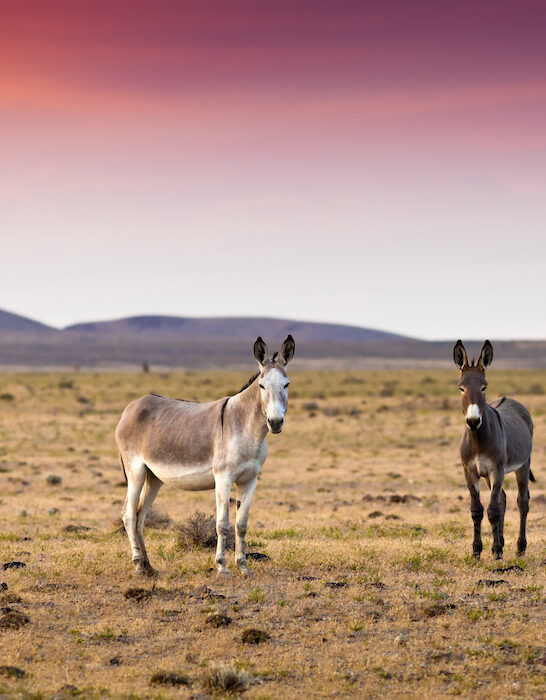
273 381
472 383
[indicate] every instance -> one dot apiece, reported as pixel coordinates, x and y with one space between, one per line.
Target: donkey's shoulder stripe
222 412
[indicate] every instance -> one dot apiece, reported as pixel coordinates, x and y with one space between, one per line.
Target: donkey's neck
481 438
247 410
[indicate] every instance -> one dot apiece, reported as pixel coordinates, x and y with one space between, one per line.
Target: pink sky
380 164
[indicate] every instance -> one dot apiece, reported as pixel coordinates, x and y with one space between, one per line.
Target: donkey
201 446
497 440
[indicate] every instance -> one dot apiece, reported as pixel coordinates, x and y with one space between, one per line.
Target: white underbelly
485 467
512 468
195 477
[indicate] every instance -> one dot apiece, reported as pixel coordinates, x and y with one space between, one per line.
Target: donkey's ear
459 355
260 351
287 350
486 356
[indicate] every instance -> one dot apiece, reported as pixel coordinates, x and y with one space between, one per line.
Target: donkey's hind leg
136 475
522 477
148 495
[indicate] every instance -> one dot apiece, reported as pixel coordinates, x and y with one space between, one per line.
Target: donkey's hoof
223 572
150 571
246 572
476 553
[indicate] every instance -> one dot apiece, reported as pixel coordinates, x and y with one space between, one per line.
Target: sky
381 164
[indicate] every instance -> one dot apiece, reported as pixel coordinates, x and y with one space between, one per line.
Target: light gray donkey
200 446
497 440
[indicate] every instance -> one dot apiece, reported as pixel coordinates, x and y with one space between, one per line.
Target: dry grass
199 530
225 679
369 591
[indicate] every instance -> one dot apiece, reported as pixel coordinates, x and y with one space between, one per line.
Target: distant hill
236 328
14 323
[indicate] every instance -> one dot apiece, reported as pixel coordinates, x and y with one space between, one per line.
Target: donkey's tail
125 473
531 476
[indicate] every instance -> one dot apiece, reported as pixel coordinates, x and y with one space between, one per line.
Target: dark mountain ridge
237 328
13 323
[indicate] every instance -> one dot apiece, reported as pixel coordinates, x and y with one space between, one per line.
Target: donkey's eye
287 385
261 386
461 389
484 388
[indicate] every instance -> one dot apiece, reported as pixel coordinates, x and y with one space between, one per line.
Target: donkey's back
517 427
169 431
513 412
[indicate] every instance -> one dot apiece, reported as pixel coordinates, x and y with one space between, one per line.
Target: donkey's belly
196 477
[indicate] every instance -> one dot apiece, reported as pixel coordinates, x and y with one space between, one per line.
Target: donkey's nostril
473 423
275 424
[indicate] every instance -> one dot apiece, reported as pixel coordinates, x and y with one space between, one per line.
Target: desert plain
363 581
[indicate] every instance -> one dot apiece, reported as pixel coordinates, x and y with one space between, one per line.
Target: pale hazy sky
378 164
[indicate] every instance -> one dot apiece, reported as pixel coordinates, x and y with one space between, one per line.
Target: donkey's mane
250 381
255 376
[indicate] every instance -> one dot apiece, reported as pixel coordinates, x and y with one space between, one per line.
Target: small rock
508 569
13 565
401 639
53 511
491 582
258 556
12 672
115 660
336 584
253 635
375 514
53 479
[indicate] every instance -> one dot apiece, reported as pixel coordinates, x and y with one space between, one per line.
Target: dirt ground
369 588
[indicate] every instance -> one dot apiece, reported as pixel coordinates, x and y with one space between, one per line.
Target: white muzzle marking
473 411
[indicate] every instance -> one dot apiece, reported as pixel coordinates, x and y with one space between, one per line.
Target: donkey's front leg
495 513
244 498
223 490
476 510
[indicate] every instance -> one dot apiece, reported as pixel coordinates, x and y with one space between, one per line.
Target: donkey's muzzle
275 424
473 423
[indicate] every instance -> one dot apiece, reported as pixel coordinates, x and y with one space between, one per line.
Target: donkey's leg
503 511
495 512
223 490
136 474
522 477
244 498
151 487
476 510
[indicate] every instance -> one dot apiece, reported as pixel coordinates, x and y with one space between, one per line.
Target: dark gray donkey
497 440
200 446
